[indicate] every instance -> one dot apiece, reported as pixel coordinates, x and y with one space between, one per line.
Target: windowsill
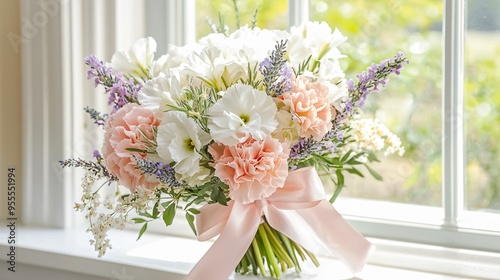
153 257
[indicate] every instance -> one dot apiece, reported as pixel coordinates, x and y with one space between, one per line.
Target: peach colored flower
124 130
308 102
253 169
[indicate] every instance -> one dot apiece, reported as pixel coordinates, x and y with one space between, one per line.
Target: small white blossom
370 135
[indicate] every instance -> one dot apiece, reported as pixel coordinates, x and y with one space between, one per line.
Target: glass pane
271 14
411 105
482 105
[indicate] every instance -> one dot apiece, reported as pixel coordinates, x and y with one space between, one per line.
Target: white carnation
242 112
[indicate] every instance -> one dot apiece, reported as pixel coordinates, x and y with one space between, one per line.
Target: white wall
10 103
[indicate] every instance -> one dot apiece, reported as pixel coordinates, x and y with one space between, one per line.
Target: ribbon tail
338 235
322 227
220 260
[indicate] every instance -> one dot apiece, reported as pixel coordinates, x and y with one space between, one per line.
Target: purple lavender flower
120 90
164 172
276 73
266 64
368 82
96 154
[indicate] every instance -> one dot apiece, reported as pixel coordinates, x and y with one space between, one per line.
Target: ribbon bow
299 210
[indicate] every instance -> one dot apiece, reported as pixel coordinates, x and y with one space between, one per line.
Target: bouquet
235 130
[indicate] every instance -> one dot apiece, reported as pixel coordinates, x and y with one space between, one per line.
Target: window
444 192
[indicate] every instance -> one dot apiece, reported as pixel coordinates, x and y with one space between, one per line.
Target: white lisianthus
158 93
136 62
214 68
315 39
199 178
179 139
242 112
253 45
158 66
288 129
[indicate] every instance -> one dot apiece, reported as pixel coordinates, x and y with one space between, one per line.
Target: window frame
54 127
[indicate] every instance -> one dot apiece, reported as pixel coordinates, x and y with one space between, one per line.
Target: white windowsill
165 257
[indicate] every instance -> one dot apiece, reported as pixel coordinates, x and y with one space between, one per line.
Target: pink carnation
253 169
308 102
123 130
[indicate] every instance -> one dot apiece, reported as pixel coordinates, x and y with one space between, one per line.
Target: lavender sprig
276 73
96 168
368 82
120 89
164 172
99 119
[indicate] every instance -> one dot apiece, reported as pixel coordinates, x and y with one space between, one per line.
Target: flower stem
336 193
258 257
278 246
290 251
271 259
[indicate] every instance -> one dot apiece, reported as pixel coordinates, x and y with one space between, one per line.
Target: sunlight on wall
10 106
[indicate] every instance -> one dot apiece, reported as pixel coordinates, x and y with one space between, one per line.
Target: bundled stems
275 250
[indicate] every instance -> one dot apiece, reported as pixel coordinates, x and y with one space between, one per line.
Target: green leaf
155 210
346 156
374 173
340 178
372 157
355 171
353 161
139 220
215 194
146 214
190 220
142 231
222 199
135 150
169 214
194 211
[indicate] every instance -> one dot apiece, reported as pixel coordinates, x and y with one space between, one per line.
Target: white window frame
55 127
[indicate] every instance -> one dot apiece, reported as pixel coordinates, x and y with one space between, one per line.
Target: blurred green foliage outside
411 106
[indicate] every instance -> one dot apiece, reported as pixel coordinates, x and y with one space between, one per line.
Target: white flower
136 62
288 129
158 93
179 138
214 68
199 178
315 39
370 135
242 111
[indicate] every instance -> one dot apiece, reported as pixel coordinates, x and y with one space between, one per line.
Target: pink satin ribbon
298 210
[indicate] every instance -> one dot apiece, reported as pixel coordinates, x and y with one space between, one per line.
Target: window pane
271 14
482 105
411 105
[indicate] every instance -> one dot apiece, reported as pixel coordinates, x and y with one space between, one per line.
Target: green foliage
271 14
